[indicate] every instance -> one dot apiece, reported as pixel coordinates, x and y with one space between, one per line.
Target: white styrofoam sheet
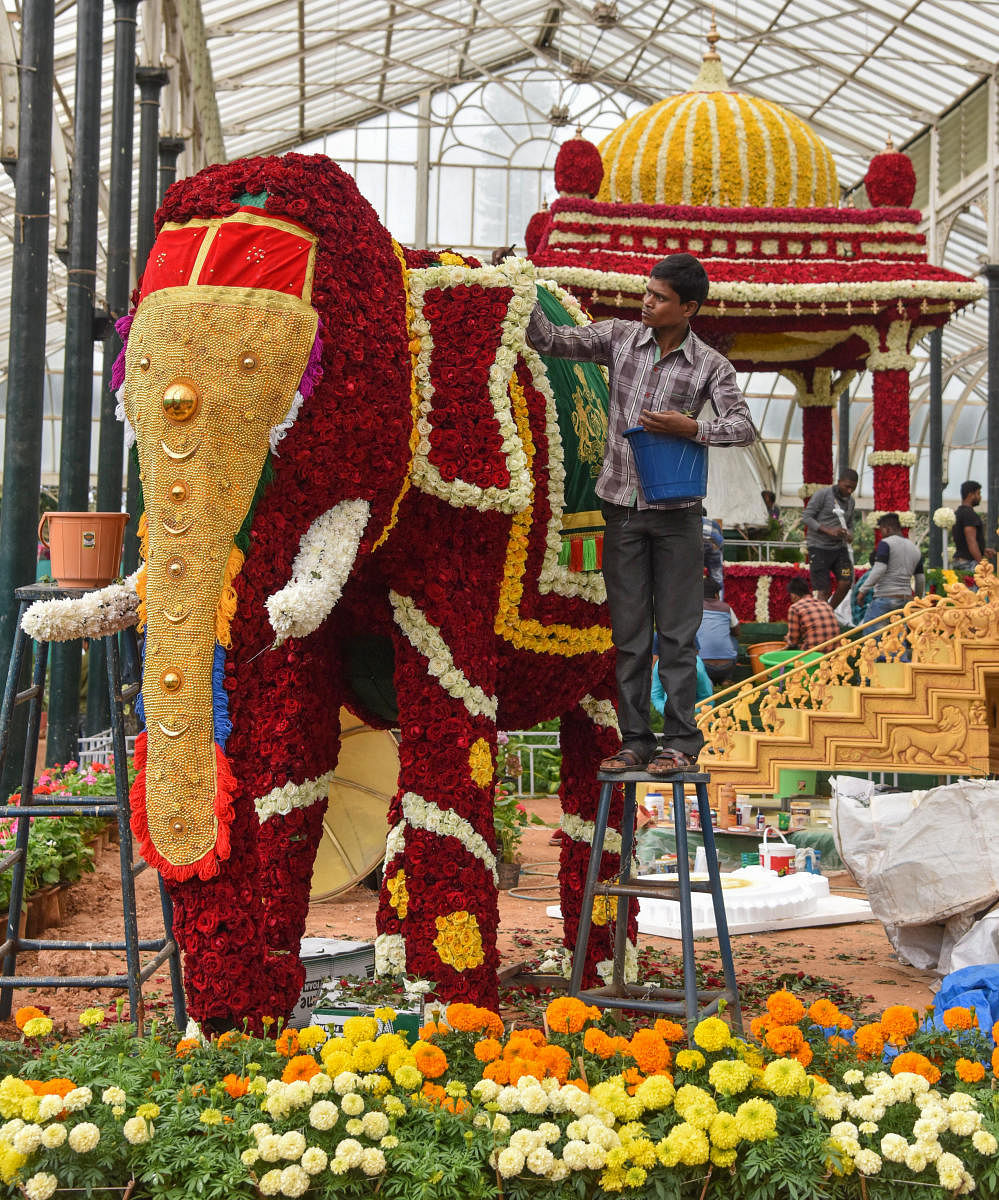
756 901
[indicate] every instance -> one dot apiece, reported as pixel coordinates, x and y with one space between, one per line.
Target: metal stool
31 806
690 1002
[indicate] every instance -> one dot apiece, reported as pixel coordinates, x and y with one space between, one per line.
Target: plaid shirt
683 380
809 622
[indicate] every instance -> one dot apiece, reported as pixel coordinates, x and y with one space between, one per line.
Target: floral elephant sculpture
339 439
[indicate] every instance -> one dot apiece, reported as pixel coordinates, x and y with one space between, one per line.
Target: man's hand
836 531
990 552
668 422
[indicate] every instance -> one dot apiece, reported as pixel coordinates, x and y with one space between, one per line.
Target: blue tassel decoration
220 699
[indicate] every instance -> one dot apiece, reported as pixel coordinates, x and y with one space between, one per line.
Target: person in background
810 621
714 542
828 523
716 636
771 505
897 564
969 530
658 696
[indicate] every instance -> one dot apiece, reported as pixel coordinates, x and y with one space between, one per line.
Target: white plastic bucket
778 856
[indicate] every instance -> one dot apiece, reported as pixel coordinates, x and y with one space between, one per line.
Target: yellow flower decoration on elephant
459 942
480 763
399 894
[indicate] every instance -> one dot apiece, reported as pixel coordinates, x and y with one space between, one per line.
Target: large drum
354 827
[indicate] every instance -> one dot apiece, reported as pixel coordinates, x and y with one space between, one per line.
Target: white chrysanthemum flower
852 1077
294 1181
354 1127
964 1124
534 1100
486 1091
77 1099
27 1139
114 1095
596 1158
320 1084
915 1158
893 1147
49 1107
950 1171
249 1156
372 1161
346 1081
558 1170
352 1104
259 1130
501 1124
298 1094
376 1125
508 1100
930 1147
525 1140
291 1145
540 1160
959 1100
510 1162
270 1183
40 1186
845 1129
314 1160
867 1162
549 1131
53 1136
350 1151
829 1106
270 1147
574 1154
84 1137
868 1127
323 1115
137 1131
984 1142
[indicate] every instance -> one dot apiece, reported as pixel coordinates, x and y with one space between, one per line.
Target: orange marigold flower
804 1055
434 1093
287 1043
785 1039
236 1085
535 1036
466 1018
785 1007
959 1018
838 1046
898 1023
870 1039
670 1031
580 1083
632 1077
598 1043
26 1014
431 1030
230 1037
519 1067
995 1033
824 1013
995 1062
487 1050
968 1071
455 1104
556 1061
51 1087
185 1046
758 1026
497 1071
649 1051
302 1066
918 1064
845 1022
430 1061
567 1014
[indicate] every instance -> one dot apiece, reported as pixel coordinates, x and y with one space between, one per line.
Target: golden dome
715 146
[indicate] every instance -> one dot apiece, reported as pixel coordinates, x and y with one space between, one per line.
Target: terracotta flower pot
509 875
85 546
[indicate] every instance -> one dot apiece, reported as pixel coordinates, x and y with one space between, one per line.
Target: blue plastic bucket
669 468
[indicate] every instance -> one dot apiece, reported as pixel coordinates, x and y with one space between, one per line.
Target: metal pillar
843 421
170 150
151 81
991 273
78 370
937 534
112 439
22 456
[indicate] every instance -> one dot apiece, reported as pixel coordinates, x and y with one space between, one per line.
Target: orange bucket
85 547
759 648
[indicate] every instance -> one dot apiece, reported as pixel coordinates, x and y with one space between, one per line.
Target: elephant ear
468 326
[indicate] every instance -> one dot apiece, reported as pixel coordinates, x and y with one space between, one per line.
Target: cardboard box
326 959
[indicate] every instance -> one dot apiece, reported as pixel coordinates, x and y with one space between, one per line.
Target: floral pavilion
799 285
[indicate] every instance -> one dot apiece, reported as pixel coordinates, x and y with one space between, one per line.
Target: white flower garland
944 518
826 229
390 954
834 291
573 826
761 612
427 640
517 274
326 554
892 458
281 800
119 413
605 968
422 814
395 842
600 712
94 615
906 519
279 431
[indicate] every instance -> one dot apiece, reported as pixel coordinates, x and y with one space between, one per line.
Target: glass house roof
265 76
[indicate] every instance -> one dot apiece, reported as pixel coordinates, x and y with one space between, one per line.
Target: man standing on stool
828 521
661 377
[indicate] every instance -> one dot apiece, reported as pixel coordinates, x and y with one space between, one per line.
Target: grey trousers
653 565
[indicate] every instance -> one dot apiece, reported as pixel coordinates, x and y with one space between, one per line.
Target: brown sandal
671 762
624 760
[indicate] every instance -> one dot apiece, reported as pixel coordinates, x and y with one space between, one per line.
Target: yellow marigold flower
730 1077
785 1007
90 1017
837 1158
724 1131
634 1177
655 1093
148 1112
408 1077
712 1034
360 1029
25 1014
756 1120
13 1092
723 1158
689 1144
10 1161
367 1057
37 1027
690 1060
786 1077
336 1061
210 1116
968 1071
312 1036
385 1014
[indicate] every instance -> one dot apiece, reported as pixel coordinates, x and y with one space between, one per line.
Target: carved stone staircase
928 707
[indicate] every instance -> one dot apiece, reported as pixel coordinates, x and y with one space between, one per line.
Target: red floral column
891 458
816 449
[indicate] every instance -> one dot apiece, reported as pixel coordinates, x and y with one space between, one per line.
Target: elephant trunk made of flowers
339 440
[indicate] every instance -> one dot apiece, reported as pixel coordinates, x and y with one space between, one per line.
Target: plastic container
85 547
669 468
759 648
726 806
801 814
776 658
778 856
